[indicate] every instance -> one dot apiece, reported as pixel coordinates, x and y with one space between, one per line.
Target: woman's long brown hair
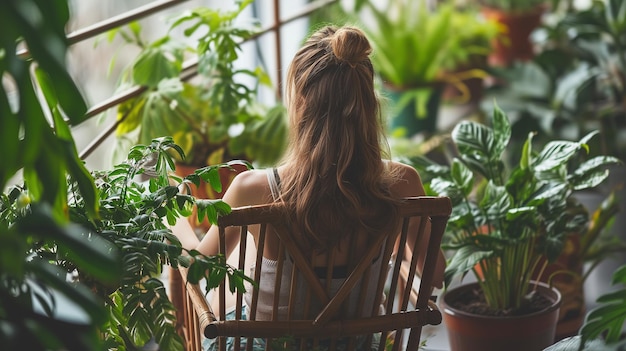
335 178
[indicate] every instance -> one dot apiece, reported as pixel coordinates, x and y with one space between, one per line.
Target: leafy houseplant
214 117
412 48
508 224
582 69
576 84
46 155
608 317
466 70
594 86
131 220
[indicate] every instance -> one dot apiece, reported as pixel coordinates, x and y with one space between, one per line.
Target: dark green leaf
464 259
95 255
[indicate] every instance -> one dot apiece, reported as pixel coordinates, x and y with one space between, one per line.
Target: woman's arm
247 188
410 184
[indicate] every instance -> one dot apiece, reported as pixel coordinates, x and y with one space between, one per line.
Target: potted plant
467 66
131 221
576 84
520 18
214 117
412 48
46 155
58 223
507 224
604 325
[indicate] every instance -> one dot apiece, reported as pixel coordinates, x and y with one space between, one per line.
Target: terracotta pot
566 274
515 44
204 191
472 332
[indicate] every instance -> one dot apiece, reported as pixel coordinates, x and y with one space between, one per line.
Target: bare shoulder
408 181
248 188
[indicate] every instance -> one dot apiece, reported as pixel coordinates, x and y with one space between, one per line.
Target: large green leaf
464 259
495 202
66 147
501 132
476 145
53 277
157 63
49 17
9 139
555 154
592 172
474 139
608 317
98 257
449 188
462 176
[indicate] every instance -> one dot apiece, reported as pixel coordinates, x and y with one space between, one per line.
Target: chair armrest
199 303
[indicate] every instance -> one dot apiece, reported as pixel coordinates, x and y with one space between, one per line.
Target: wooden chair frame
407 308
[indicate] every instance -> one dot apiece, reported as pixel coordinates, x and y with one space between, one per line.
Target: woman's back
342 256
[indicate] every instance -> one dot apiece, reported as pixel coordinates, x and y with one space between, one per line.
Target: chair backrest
373 299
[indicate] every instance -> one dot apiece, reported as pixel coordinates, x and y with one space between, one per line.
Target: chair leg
177 296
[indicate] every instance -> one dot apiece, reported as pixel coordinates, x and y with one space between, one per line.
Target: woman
333 173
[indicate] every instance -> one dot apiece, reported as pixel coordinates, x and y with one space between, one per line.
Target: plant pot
473 332
470 89
407 121
205 191
515 43
566 275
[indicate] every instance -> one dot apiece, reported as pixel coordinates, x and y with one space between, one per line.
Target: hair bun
350 44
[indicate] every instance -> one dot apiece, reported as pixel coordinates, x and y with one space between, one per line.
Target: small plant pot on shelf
515 43
474 332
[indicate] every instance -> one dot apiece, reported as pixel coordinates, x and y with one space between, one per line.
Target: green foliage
402 58
577 82
602 329
414 46
132 217
132 227
472 38
214 117
37 216
504 222
609 317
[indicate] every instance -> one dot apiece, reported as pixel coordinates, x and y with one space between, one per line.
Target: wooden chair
343 319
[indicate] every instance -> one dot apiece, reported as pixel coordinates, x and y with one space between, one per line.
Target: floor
436 338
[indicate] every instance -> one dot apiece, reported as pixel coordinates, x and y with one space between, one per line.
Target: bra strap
274 181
